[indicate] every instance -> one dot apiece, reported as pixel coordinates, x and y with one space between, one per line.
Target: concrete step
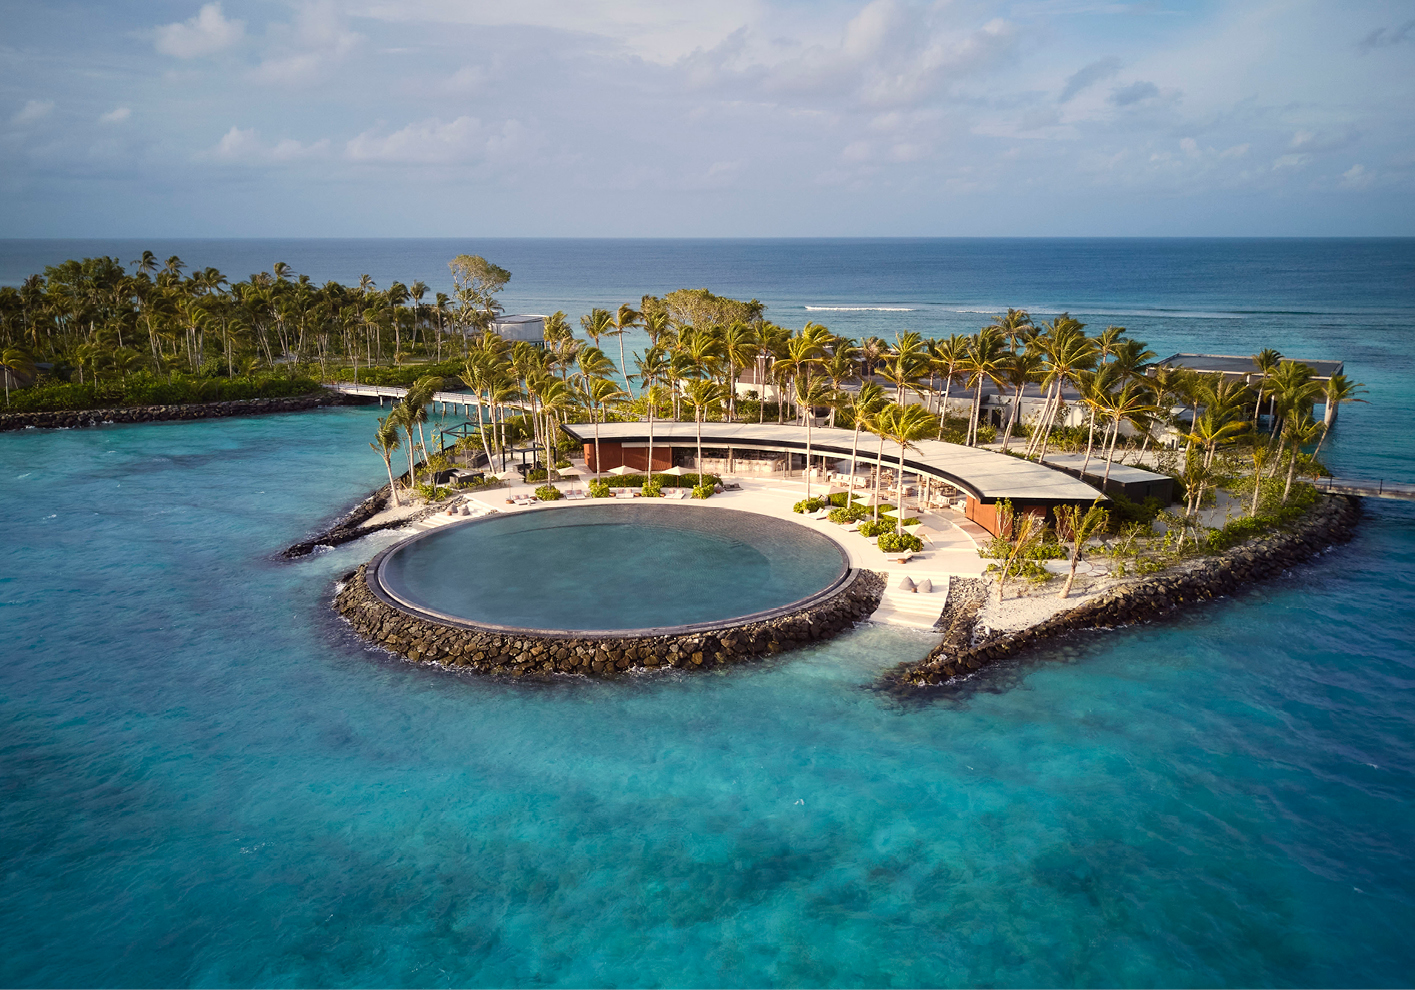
909 608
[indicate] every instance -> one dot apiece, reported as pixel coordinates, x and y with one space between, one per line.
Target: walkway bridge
465 401
1370 489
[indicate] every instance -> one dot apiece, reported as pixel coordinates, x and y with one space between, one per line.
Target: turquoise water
612 566
208 780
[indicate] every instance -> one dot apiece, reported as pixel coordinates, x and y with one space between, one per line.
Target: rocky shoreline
67 419
482 651
351 526
1331 521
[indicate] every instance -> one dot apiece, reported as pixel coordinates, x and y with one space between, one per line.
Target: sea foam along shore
961 653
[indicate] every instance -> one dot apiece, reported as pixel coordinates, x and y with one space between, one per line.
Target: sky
728 118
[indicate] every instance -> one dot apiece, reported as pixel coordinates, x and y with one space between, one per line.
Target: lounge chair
900 558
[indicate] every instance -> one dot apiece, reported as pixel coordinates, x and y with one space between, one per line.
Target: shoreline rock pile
1330 521
484 651
75 418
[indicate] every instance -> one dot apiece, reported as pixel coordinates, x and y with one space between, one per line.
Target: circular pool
610 567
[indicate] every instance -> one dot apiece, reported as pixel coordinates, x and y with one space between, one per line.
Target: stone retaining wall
1330 521
422 640
71 418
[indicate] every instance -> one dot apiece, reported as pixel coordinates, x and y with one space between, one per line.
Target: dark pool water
612 566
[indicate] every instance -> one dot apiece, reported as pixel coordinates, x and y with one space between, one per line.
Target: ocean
207 780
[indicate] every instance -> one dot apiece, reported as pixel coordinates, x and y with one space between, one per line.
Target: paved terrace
985 475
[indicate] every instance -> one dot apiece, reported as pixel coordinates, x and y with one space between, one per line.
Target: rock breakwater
1330 521
546 654
74 418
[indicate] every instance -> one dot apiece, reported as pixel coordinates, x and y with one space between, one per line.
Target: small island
1030 479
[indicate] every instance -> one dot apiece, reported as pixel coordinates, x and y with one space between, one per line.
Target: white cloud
117 115
890 54
245 145
206 33
656 32
1356 177
463 141
310 48
32 111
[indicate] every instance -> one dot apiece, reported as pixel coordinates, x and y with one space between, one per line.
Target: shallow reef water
208 780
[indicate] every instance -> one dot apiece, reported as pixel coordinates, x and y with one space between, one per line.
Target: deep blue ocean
205 779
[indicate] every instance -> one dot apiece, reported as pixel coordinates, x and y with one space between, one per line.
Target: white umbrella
622 469
568 472
676 471
505 475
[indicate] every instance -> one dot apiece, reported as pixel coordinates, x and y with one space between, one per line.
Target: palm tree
596 324
16 363
556 400
385 442
625 318
653 367
1018 371
1130 403
739 347
1077 528
904 425
1339 389
810 392
418 396
702 393
946 357
1298 433
1266 362
801 353
982 361
1068 351
403 416
1260 454
863 404
599 392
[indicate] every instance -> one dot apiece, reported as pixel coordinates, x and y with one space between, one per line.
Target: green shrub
432 493
848 514
899 542
549 493
1124 511
652 488
813 504
704 491
1000 549
600 489
666 480
1028 569
875 527
145 389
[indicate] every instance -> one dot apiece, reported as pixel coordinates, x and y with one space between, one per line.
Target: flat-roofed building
527 327
1236 366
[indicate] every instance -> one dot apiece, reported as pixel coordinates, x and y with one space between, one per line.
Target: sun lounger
900 558
624 495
